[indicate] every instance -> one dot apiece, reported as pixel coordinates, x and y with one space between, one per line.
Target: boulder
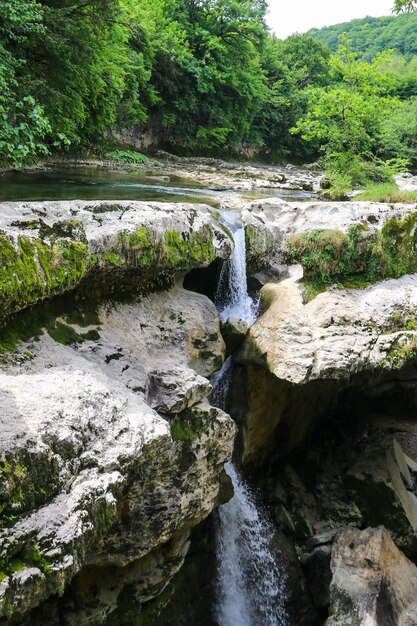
260 243
373 583
336 335
234 332
382 484
298 356
172 391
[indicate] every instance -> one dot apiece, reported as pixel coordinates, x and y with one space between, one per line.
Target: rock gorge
111 453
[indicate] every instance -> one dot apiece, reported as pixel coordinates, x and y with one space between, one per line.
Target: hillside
371 35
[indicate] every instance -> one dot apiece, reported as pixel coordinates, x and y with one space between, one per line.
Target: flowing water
94 183
250 578
232 298
251 582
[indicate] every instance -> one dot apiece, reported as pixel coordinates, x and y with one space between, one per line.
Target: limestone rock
406 182
171 391
50 247
260 243
373 583
284 219
382 485
93 481
336 335
234 332
319 347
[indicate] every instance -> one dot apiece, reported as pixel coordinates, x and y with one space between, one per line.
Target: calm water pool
94 183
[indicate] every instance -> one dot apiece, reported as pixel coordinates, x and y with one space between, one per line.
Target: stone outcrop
319 347
338 334
373 584
48 248
284 219
217 174
110 452
234 332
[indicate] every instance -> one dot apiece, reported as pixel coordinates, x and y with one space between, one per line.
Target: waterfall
250 580
251 583
232 298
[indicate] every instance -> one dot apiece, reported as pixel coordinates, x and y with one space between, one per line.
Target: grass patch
387 192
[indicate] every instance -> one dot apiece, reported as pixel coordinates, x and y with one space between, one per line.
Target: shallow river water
96 183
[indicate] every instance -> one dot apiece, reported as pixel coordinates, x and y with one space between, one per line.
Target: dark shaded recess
205 280
188 599
79 306
342 422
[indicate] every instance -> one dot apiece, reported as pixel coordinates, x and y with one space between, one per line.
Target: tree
398 133
23 124
404 5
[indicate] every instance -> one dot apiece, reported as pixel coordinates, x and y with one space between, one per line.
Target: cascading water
250 580
251 583
232 298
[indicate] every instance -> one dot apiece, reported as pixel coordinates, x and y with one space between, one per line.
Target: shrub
127 156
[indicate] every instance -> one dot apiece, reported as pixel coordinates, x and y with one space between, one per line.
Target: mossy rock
58 259
361 255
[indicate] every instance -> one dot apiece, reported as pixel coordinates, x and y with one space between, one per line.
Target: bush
346 171
127 156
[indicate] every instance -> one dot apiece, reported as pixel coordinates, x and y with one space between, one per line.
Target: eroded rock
234 332
373 584
48 248
93 478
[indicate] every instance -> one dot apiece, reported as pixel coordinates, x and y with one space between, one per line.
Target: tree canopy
203 76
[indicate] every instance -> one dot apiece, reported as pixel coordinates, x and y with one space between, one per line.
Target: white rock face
406 182
94 476
284 219
373 582
103 220
339 333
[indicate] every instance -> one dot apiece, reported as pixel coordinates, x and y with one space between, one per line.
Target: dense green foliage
372 35
203 76
198 74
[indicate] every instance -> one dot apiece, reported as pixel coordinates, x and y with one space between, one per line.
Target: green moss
38 559
183 251
64 334
398 357
111 258
181 432
55 317
186 426
29 556
31 270
359 256
177 251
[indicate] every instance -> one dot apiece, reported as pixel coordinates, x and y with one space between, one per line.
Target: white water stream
232 298
250 580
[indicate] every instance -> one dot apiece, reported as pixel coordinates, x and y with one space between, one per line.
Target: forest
208 77
372 35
